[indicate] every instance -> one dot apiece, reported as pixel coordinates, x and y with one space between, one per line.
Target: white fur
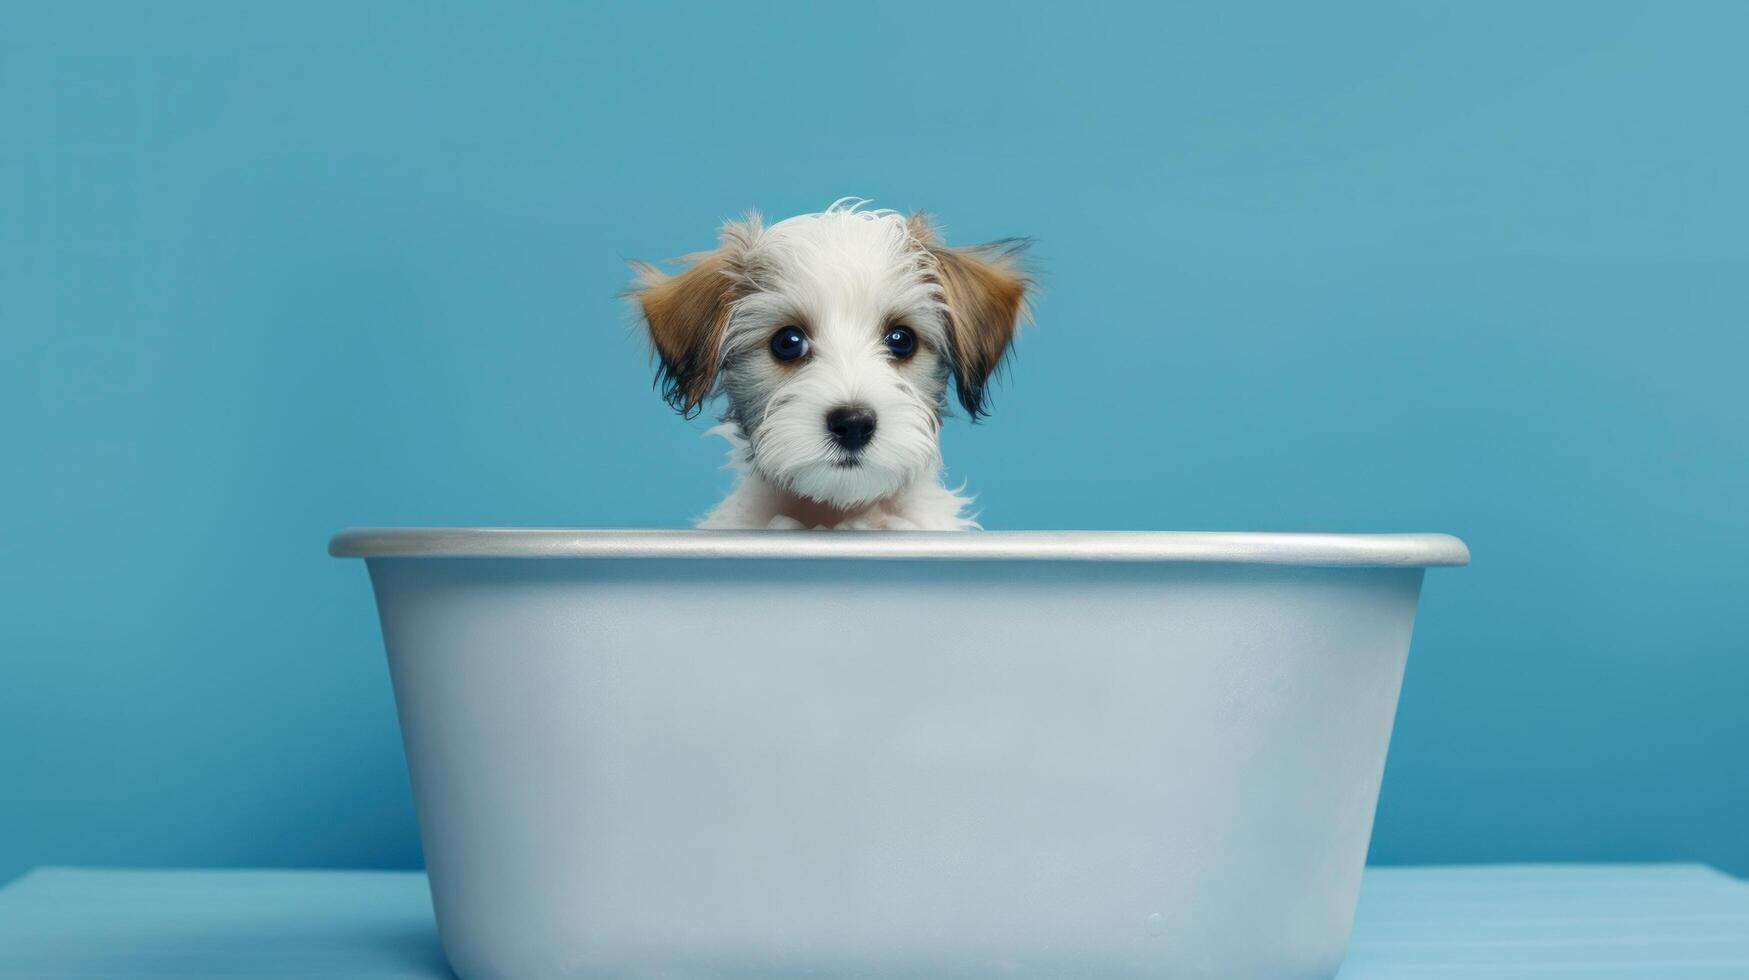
845 276
924 504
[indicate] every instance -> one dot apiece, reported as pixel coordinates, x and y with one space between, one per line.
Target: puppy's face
835 337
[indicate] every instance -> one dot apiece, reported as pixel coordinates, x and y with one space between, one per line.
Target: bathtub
883 754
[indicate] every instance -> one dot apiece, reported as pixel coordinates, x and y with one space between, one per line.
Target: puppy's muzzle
851 427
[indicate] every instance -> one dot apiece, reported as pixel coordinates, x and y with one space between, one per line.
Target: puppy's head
834 337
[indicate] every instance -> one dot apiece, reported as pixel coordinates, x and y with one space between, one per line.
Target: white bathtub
880 754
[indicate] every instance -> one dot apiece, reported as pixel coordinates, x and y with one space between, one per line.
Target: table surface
1548 922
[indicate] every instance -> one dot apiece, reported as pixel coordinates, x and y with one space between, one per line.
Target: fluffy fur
846 278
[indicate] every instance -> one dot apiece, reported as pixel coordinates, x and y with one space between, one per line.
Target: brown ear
686 315
985 289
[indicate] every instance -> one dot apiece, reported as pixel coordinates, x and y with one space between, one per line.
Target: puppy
834 338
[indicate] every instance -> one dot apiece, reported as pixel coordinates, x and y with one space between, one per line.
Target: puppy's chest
874 519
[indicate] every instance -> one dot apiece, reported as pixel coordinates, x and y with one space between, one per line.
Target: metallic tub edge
1242 547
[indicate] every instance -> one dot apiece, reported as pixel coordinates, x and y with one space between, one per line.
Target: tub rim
1240 547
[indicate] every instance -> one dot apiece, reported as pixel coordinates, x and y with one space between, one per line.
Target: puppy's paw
783 522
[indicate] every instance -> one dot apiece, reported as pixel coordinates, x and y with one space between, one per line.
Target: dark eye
789 343
901 341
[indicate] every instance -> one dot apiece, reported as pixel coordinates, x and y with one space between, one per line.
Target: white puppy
833 337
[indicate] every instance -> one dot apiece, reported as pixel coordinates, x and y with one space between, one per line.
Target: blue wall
267 272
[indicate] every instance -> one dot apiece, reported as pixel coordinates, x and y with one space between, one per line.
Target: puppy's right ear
687 314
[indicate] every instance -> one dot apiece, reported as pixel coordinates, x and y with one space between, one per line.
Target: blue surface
268 270
1671 922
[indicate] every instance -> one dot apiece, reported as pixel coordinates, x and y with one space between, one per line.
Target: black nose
852 426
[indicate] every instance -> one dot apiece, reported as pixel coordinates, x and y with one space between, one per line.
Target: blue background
270 271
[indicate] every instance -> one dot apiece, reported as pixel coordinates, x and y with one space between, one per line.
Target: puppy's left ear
985 288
